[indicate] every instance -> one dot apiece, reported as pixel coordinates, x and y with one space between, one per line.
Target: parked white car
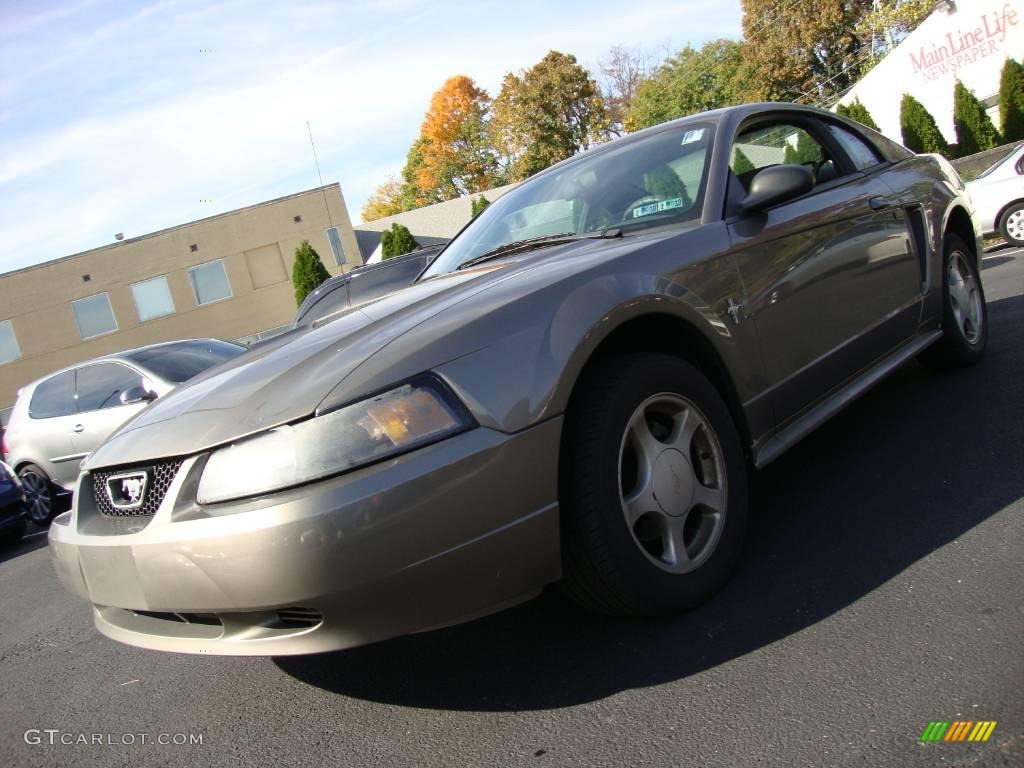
998 196
61 418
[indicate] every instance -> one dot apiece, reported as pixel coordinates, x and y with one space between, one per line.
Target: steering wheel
627 214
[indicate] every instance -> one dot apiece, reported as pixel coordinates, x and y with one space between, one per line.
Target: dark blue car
13 509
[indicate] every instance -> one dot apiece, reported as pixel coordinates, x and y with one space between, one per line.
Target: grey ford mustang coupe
574 390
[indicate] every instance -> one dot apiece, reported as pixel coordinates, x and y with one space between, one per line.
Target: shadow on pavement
29 543
994 261
904 471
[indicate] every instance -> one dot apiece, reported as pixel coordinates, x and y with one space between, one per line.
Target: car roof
737 113
122 356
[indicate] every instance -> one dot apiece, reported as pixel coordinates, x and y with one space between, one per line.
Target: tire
672 554
964 313
14 534
1011 224
40 494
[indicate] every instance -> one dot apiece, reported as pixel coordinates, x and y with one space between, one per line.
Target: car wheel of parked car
653 487
1011 224
39 494
964 314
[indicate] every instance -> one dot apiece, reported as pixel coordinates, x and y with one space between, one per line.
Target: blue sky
113 119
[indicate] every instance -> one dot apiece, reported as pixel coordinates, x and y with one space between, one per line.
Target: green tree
1011 100
806 150
857 111
693 80
740 162
396 241
918 127
974 129
546 114
307 271
478 205
807 51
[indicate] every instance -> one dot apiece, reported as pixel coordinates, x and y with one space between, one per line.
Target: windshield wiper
539 242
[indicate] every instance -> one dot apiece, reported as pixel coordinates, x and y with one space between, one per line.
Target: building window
152 298
335 241
8 343
209 282
94 316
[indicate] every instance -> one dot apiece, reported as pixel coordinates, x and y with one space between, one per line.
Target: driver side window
763 146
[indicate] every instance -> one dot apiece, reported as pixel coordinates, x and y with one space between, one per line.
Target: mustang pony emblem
131 489
127 490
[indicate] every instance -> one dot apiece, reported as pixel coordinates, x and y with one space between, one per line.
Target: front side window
653 181
8 343
209 282
765 145
94 316
152 298
53 397
100 386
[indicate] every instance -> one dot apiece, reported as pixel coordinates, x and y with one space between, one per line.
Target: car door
98 389
831 280
52 416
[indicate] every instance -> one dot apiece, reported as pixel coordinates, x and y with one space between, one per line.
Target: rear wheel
653 488
39 493
964 314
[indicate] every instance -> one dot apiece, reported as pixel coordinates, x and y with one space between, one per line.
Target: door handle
78 429
879 203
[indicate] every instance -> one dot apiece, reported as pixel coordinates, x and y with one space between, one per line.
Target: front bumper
440 535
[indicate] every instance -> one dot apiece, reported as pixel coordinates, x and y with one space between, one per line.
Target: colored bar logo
958 730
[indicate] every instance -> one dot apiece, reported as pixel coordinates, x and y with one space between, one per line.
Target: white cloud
127 126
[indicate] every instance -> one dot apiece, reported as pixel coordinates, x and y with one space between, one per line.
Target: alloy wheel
964 297
1015 224
672 483
39 497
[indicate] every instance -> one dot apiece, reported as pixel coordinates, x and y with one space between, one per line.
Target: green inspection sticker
658 207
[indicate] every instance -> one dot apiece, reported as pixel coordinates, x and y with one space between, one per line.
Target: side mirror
137 394
777 184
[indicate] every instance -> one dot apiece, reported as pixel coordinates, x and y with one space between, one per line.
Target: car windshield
655 180
179 362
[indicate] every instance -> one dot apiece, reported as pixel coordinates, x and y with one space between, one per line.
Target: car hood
284 378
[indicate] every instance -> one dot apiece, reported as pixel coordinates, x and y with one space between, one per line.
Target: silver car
998 197
574 390
61 418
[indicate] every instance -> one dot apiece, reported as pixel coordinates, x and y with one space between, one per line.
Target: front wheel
1011 224
964 314
39 494
653 488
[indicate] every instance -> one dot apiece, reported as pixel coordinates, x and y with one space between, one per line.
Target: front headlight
410 416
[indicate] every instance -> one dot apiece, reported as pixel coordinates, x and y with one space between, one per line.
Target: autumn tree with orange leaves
457 158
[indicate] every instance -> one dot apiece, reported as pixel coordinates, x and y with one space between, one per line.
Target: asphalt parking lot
881 589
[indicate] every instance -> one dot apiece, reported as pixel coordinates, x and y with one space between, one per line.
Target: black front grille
159 476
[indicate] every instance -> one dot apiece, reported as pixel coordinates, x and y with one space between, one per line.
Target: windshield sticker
691 136
661 205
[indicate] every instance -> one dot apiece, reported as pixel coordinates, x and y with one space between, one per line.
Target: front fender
515 353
